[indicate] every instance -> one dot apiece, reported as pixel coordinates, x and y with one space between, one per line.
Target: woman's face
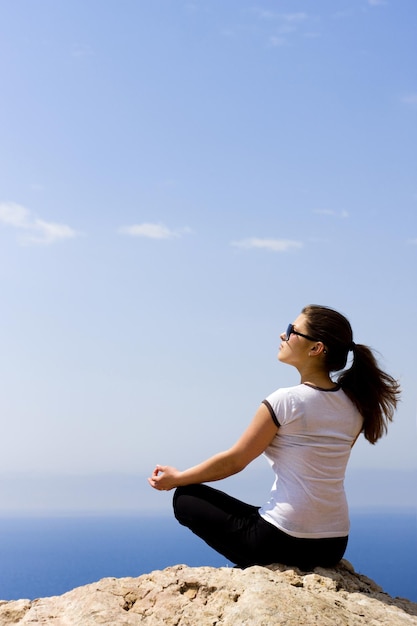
295 350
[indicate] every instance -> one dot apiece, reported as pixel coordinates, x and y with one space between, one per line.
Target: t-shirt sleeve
280 406
272 413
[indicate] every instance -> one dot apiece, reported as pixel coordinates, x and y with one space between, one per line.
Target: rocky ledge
207 596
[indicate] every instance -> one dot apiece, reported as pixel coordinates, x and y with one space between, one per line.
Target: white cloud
275 245
153 231
375 3
33 230
14 215
412 242
49 232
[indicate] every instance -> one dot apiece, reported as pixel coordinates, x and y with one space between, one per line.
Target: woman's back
309 454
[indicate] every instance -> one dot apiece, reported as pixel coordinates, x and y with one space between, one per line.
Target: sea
47 556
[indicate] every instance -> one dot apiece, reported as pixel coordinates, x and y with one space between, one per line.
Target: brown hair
374 392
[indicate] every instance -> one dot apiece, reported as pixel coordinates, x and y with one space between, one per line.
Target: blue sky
177 180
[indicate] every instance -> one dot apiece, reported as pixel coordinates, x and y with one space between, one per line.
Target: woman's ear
319 348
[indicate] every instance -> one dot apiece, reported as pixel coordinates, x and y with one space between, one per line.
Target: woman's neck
317 377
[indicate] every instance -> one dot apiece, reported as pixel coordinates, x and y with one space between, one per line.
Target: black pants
237 531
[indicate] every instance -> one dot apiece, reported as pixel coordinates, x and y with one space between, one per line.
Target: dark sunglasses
291 331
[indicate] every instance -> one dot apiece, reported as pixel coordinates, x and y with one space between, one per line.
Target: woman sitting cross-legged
306 432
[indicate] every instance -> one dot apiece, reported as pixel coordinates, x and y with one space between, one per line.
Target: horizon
107 494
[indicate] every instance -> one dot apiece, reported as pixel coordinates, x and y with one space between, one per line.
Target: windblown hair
374 392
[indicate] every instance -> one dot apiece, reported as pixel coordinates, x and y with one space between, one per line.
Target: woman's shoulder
285 394
297 395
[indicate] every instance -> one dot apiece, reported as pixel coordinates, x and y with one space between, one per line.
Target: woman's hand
164 478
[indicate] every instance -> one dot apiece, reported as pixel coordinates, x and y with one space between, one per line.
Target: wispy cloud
410 98
412 242
265 14
153 231
375 3
294 17
338 15
274 28
33 230
284 23
274 245
277 42
332 213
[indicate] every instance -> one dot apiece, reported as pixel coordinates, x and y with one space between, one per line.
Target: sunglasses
291 331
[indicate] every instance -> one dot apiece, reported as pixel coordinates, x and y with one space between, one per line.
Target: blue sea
47 556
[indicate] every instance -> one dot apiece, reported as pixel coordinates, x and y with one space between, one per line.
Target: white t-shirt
309 455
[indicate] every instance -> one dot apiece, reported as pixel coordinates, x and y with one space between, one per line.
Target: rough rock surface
207 596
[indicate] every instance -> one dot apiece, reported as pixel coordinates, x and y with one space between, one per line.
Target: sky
177 180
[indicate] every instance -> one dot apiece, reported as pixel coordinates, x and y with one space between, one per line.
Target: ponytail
374 392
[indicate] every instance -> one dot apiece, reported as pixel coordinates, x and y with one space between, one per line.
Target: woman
306 432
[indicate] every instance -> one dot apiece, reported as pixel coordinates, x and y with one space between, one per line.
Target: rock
206 596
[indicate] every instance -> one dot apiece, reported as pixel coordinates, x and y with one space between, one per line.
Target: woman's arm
250 445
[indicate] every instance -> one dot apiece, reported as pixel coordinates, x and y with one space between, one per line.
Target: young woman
306 432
